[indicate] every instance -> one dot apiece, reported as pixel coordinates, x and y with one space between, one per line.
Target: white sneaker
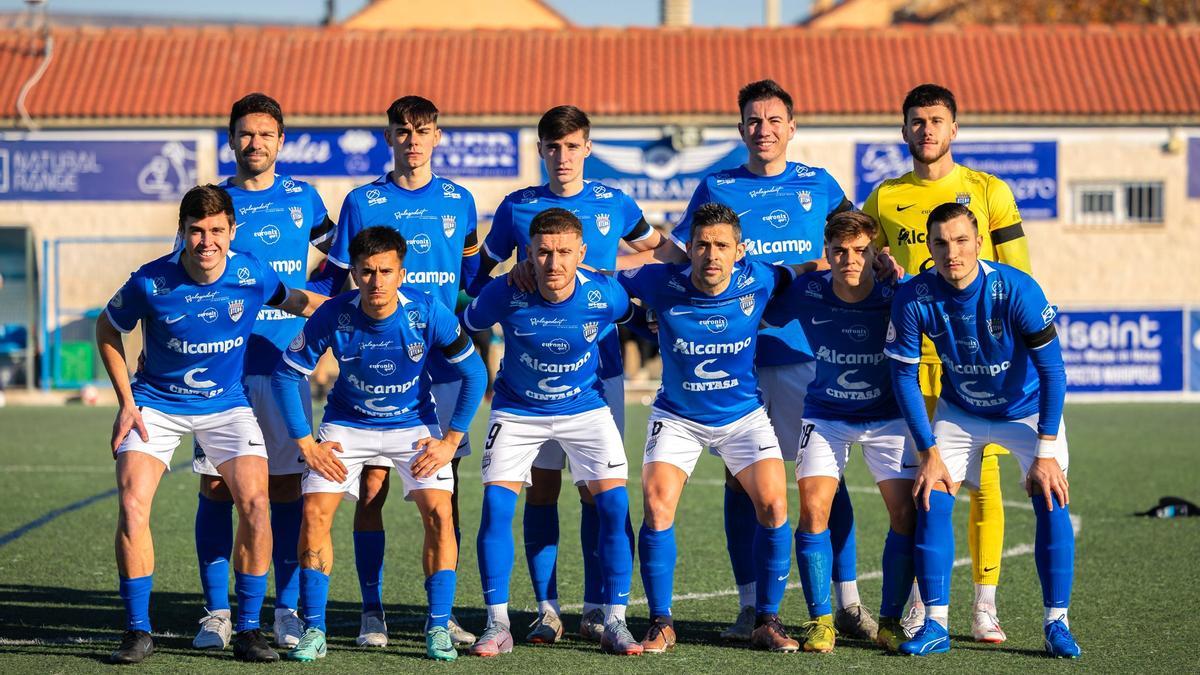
372 631
986 626
914 620
215 630
288 628
459 635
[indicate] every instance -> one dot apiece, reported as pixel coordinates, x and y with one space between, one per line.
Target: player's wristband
1046 448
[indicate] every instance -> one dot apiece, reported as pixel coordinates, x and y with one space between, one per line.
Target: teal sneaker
310 648
439 646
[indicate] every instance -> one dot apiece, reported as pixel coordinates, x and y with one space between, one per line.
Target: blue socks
841 532
897 573
135 593
540 525
494 543
658 568
368 559
741 522
1054 552
439 591
314 594
773 555
933 549
285 531
250 589
814 557
589 540
214 546
613 508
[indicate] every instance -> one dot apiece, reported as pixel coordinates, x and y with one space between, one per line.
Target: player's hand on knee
321 458
933 471
1048 478
128 419
522 276
435 453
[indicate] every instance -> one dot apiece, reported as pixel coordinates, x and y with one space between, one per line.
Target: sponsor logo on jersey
769 247
385 367
297 342
297 214
235 309
804 172
117 301
539 321
805 198
545 385
420 243
189 378
922 292
968 343
208 314
196 386
715 324
603 223
537 365
288 266
777 218
724 179
764 192
218 347
528 196
744 281
590 329
704 373
518 299
268 234
998 290
449 192
201 297
415 320
991 369
345 323
290 187
856 333
602 192
416 350
449 224
845 382
674 285
746 302
367 388
909 237
557 345
255 208
244 278
710 380
596 299
432 277
373 404
159 286
691 348
828 355
813 290
374 198
1048 313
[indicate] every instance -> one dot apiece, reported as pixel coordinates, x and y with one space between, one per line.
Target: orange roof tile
190 75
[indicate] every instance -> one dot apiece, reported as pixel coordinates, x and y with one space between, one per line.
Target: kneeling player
197 307
845 316
380 406
1003 382
548 388
708 317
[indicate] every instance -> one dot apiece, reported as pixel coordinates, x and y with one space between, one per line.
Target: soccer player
548 387
197 307
708 317
437 218
279 218
845 315
783 207
901 207
380 406
1003 382
609 217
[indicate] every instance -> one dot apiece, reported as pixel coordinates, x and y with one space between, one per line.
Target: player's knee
254 507
439 518
315 518
215 489
814 516
659 513
903 517
546 487
134 513
772 511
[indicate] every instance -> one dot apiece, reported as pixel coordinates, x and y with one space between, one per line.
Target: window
1119 203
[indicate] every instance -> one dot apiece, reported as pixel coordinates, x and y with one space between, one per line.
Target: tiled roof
191 75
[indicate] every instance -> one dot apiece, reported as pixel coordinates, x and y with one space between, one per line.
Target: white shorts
961 437
225 435
783 390
678 441
398 446
551 456
283 455
590 439
887 448
445 397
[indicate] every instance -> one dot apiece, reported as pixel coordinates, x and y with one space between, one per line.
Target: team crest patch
590 328
449 223
235 309
747 304
995 328
416 350
963 198
297 215
805 198
297 342
603 223
118 300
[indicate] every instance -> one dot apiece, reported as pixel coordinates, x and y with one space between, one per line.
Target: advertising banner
96 170
1123 350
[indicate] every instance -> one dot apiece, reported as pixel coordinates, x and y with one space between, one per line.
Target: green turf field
1135 587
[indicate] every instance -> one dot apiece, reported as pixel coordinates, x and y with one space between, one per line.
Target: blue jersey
980 335
194 335
551 350
783 222
707 342
436 221
607 215
381 364
853 381
276 226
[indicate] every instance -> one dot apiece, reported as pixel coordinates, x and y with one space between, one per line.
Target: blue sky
582 12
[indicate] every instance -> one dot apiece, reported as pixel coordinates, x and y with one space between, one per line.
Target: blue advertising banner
463 153
1193 168
1123 350
652 170
1029 168
96 170
1194 335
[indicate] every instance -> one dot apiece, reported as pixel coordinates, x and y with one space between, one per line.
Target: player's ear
540 151
954 130
587 148
582 252
437 136
741 251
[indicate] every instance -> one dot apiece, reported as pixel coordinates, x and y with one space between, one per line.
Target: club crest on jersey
995 328
449 223
963 198
297 342
603 223
235 308
590 328
747 304
805 198
415 351
297 215
118 300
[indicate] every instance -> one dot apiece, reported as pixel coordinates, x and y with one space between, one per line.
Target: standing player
1003 382
901 207
609 217
548 388
708 317
437 218
279 217
380 406
845 316
196 306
